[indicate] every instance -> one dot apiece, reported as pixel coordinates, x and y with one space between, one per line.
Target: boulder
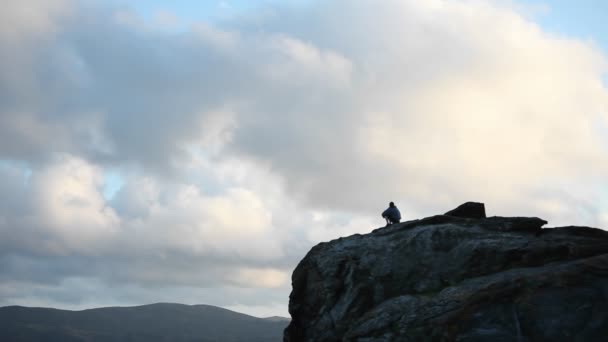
454 278
474 210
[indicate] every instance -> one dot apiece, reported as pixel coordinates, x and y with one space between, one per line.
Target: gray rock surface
449 278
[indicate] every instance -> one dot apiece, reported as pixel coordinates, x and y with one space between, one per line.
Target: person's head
391 204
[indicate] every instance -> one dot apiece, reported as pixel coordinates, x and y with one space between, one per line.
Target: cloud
440 102
59 209
22 20
241 143
63 213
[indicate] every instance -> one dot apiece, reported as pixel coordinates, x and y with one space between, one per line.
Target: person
392 214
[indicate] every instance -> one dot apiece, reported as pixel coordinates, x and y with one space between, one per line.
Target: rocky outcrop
455 278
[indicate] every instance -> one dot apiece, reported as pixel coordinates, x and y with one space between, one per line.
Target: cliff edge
460 276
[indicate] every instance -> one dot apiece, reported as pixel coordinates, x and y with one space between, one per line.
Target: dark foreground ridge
155 322
461 276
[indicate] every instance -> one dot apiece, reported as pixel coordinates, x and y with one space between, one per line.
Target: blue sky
193 10
584 19
186 9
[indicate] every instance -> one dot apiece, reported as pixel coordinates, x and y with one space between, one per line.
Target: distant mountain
277 319
155 322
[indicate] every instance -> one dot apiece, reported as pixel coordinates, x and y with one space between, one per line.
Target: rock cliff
460 276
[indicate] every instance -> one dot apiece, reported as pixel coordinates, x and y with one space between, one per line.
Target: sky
194 151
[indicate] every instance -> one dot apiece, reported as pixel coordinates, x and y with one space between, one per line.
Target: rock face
451 278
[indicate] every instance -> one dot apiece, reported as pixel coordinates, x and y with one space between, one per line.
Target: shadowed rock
468 210
454 278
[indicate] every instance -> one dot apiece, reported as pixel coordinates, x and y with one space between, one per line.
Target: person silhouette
392 214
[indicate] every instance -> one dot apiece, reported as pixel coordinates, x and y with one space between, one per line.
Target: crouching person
392 214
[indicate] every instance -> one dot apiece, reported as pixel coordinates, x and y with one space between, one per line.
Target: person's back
392 214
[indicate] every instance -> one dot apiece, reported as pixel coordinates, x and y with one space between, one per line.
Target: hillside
155 322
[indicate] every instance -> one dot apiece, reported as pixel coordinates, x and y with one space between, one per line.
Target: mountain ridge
158 321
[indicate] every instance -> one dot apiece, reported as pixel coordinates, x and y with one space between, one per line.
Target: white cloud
262 277
305 62
60 210
166 19
23 19
234 223
67 200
